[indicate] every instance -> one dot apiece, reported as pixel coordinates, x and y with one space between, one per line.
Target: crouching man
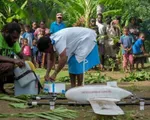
8 46
75 45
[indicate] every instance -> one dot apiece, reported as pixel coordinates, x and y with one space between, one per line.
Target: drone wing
106 106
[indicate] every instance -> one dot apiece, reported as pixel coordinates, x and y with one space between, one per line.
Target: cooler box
29 89
24 75
54 87
26 81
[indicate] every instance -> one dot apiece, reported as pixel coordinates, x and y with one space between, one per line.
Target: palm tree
10 9
74 9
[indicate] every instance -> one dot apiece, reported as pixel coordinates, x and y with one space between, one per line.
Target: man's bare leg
6 69
80 79
72 80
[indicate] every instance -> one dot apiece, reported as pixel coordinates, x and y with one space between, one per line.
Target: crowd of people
20 41
30 35
31 38
106 32
129 36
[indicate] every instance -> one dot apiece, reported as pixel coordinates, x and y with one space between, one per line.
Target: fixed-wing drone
101 97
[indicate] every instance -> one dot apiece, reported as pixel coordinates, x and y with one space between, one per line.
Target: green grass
64 73
41 72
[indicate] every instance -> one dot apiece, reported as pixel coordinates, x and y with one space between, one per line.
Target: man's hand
19 62
53 77
46 77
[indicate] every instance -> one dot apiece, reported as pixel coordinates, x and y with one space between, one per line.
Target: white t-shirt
101 28
78 41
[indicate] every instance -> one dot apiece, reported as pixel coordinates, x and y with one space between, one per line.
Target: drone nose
68 94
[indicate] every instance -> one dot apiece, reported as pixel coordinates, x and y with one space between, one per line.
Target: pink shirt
27 50
37 31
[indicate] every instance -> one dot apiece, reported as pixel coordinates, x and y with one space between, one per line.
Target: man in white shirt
74 45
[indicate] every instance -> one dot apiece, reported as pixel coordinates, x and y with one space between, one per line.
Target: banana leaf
4 115
18 105
24 97
7 98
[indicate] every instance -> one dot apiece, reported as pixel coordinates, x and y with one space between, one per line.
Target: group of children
28 43
131 48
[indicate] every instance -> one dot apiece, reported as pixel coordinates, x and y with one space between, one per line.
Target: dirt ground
141 89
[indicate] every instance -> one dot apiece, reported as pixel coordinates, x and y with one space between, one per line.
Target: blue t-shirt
56 27
34 50
28 36
126 41
137 47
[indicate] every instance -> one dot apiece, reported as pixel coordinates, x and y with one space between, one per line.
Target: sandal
51 80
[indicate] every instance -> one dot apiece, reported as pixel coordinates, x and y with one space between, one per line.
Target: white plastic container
54 87
27 77
26 81
30 89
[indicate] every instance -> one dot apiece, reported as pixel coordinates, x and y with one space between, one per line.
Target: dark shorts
138 59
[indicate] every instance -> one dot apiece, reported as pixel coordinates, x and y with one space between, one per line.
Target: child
26 49
41 33
34 50
93 25
28 35
126 43
41 56
138 49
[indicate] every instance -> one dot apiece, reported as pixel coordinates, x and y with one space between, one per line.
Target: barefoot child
126 43
138 49
26 49
34 50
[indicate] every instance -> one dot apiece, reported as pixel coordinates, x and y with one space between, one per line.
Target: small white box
54 87
112 84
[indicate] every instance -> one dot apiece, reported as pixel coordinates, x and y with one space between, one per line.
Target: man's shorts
91 60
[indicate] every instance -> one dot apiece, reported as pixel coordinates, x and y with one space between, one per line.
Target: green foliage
147 46
97 77
64 79
75 9
4 115
112 12
115 39
137 76
2 17
10 10
128 8
11 99
24 97
110 63
57 114
18 105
